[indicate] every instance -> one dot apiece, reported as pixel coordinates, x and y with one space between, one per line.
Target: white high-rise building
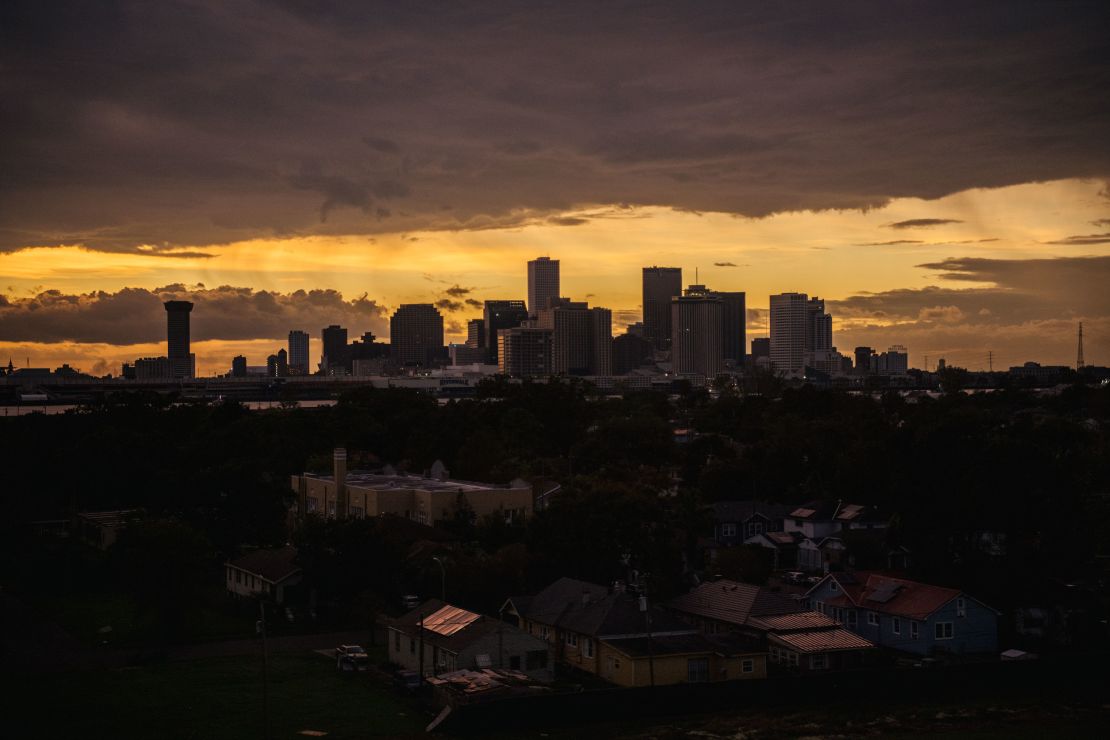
789 314
543 283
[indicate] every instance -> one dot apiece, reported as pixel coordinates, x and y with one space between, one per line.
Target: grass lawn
212 698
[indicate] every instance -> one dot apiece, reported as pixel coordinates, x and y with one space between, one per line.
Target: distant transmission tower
1079 355
990 361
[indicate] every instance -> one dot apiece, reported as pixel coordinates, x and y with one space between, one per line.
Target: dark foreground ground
222 697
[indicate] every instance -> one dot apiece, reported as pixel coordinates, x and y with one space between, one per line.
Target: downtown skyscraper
661 284
543 283
298 352
696 336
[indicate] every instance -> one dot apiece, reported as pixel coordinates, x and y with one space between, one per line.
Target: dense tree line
944 469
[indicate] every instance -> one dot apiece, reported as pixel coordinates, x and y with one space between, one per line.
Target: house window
913 630
961 607
697 670
331 508
820 606
852 618
755 528
728 530
774 654
544 632
818 662
572 639
535 659
873 619
943 630
792 659
747 666
833 585
238 576
310 504
588 648
357 512
896 625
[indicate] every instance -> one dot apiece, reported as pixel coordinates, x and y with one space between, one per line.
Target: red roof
891 595
821 641
791 622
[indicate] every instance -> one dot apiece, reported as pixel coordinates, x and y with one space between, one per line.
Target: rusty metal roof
821 641
793 622
448 620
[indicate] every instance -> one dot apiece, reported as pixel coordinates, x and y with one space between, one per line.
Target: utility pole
265 672
990 361
442 580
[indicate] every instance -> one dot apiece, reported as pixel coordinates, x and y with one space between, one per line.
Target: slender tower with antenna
1079 355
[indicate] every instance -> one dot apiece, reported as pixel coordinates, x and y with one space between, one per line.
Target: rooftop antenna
1079 364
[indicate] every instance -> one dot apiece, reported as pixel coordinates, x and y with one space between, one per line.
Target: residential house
436 638
263 573
798 640
101 529
619 637
813 535
736 521
906 615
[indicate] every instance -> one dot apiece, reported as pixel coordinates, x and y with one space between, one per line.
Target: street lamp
442 579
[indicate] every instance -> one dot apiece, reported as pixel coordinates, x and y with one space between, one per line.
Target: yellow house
619 637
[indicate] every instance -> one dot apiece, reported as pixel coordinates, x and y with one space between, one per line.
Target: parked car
351 658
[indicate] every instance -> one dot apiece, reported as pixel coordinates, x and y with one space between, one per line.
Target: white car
351 658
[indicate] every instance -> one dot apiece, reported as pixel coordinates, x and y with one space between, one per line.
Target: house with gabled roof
907 615
437 637
798 640
266 573
620 637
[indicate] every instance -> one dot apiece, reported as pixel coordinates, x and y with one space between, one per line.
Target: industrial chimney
340 472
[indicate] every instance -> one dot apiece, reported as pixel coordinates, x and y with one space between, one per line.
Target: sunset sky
938 172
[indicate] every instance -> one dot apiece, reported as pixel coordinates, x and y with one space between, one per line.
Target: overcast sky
937 171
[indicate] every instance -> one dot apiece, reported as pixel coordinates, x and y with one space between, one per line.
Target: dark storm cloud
1083 239
1101 222
135 315
173 124
449 305
920 223
458 291
567 220
724 264
1011 292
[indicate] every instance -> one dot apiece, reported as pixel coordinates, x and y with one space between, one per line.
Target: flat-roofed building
426 498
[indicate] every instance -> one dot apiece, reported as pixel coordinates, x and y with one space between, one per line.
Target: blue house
906 615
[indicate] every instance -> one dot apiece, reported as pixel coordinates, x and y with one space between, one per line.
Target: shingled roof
469 626
589 609
733 602
890 595
269 565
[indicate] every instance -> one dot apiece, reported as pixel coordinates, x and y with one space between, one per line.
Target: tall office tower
696 333
733 324
335 350
581 337
601 341
298 352
543 283
863 359
896 359
818 327
761 347
416 335
524 352
277 365
239 366
182 362
476 333
661 284
498 315
788 332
